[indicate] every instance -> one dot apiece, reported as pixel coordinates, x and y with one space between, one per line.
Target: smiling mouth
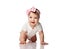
33 22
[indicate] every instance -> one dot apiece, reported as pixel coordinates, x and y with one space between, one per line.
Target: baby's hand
22 42
44 43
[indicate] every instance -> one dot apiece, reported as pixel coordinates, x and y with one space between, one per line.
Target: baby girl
33 26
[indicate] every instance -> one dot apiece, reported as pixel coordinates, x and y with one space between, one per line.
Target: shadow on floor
30 46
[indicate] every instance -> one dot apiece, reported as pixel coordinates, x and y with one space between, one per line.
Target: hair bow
33 9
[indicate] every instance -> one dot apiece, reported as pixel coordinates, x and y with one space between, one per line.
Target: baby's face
33 19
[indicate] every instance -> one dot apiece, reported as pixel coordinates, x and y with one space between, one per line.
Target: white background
13 16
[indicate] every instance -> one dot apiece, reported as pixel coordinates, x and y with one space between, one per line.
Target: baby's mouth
33 22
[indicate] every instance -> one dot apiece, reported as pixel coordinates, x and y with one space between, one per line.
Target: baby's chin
33 24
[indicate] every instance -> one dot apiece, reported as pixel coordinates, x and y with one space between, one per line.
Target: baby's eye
30 17
35 17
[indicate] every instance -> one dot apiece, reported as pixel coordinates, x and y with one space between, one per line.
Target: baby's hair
37 12
34 10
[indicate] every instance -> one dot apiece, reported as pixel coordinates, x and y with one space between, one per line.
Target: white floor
31 46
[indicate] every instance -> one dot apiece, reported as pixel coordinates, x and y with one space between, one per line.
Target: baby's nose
32 19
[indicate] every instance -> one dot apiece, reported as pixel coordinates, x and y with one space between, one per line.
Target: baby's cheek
36 20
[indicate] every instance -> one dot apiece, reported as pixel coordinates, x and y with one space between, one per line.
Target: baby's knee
33 39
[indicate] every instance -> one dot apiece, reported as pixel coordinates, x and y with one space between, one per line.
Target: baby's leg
23 38
33 39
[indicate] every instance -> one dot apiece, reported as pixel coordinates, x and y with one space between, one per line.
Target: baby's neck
32 27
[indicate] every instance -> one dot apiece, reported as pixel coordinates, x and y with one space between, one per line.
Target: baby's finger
22 42
44 43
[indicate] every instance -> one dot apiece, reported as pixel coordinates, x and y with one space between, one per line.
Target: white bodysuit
31 32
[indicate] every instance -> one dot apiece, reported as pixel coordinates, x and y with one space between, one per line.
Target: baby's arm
22 37
41 34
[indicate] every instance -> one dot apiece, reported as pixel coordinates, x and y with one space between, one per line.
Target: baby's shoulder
39 24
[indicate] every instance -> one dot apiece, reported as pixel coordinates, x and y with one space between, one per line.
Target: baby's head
33 16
